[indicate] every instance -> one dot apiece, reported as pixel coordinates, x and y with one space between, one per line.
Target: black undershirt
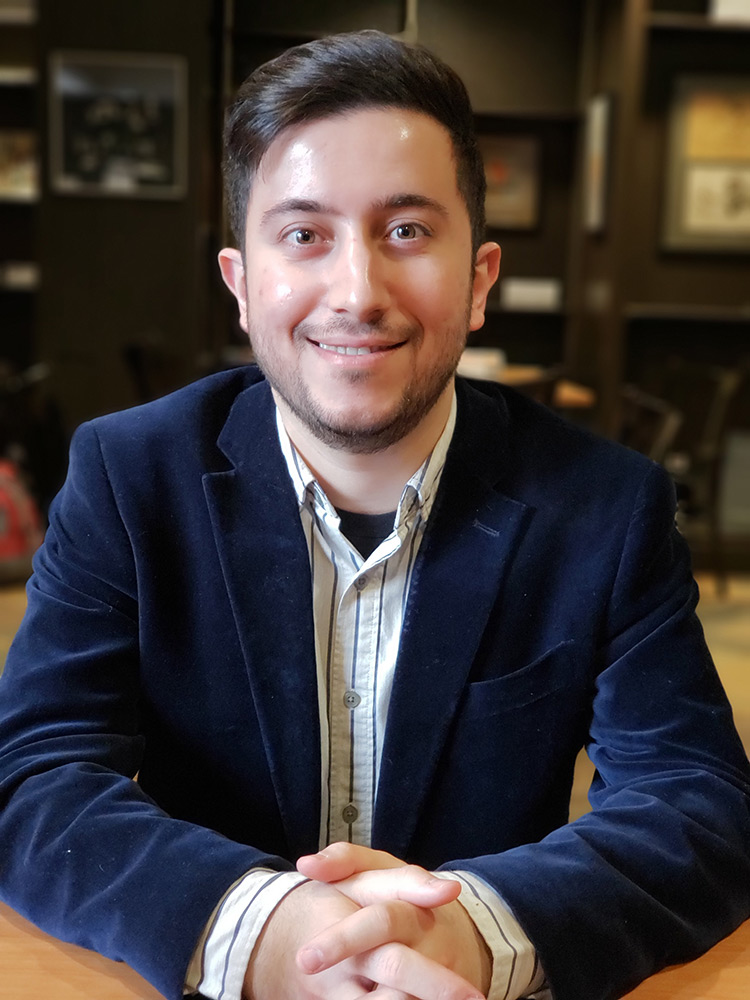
366 531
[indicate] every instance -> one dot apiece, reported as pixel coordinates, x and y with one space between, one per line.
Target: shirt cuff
516 971
219 963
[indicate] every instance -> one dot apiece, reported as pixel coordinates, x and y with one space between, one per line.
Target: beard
362 435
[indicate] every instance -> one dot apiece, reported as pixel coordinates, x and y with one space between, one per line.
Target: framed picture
118 124
18 165
17 11
730 11
598 126
707 204
511 166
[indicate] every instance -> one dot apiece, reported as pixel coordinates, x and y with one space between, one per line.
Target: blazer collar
259 538
468 546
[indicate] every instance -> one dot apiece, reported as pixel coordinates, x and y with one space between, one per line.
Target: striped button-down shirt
358 608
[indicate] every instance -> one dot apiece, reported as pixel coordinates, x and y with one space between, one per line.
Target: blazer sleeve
659 870
84 853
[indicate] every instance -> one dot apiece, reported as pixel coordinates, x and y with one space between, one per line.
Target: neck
368 483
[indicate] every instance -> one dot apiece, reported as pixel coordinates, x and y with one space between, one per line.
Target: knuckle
451 988
337 849
413 871
385 919
390 962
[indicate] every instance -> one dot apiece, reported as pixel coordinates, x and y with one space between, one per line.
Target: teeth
350 350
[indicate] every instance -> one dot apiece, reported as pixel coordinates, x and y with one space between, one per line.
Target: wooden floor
726 622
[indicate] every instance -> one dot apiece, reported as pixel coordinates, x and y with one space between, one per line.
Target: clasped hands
368 923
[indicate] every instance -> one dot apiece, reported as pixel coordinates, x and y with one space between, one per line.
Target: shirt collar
418 493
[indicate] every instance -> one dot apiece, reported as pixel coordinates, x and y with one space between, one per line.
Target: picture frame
512 169
118 124
707 195
18 165
18 11
597 132
729 11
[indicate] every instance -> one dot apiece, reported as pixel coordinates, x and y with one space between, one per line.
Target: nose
358 281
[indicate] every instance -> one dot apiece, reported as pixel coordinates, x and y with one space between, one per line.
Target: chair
542 387
647 423
152 370
697 461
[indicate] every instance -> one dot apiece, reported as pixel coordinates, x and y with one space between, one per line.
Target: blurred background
616 138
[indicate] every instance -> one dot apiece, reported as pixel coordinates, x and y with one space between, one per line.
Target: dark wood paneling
521 56
526 338
300 17
123 270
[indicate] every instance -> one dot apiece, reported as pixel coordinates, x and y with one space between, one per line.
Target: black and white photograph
117 125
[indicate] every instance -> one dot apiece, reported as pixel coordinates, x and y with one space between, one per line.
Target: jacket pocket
553 671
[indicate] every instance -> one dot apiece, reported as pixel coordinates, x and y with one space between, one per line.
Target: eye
302 237
406 231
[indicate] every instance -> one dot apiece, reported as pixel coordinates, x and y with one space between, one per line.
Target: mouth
349 350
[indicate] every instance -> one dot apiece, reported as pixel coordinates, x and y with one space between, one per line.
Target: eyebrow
311 207
409 200
288 205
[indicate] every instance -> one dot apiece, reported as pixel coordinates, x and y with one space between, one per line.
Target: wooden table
34 966
568 395
721 974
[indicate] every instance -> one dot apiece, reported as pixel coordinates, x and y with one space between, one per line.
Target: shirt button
361 582
349 813
352 699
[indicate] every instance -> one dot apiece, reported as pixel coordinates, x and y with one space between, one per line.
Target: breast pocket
555 671
509 760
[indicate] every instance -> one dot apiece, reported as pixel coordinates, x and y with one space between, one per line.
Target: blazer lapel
259 538
471 537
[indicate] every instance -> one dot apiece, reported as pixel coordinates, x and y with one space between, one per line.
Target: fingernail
310 959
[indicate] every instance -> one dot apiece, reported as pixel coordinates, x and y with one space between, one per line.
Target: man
363 604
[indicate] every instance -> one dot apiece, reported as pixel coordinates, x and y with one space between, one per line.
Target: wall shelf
18 15
677 312
22 198
694 22
19 276
498 309
18 76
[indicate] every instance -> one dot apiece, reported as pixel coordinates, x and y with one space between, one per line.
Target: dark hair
340 73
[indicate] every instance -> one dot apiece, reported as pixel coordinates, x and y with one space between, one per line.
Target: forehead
358 156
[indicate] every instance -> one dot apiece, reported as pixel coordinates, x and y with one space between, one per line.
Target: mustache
355 331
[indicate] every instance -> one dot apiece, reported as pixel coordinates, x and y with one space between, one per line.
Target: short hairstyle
340 73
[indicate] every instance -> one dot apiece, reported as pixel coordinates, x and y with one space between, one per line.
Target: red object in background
20 522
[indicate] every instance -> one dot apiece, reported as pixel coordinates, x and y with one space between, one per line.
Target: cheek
442 305
274 293
442 284
270 287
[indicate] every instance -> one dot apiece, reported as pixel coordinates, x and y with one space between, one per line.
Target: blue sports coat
169 634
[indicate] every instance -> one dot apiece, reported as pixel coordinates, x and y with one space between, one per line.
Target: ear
233 273
486 270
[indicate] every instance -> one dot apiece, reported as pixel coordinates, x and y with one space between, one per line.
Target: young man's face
359 290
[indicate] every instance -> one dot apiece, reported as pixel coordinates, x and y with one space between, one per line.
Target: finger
410 884
362 931
352 867
398 967
341 860
384 993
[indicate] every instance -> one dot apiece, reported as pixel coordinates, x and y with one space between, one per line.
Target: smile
339 349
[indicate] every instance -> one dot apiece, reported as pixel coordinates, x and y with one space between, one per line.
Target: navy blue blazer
169 634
